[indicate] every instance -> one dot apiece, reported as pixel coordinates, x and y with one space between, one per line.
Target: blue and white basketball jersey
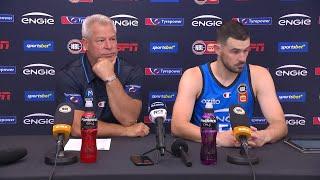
239 92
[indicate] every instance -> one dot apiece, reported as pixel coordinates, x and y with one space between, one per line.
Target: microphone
179 148
61 131
242 132
157 115
12 154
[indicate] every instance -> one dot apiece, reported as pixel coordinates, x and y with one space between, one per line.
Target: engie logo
295 20
75 46
72 20
200 47
202 2
258 120
8 120
162 71
295 120
37 18
293 47
291 70
125 20
5 96
38 69
30 45
164 21
254 20
164 47
206 21
291 96
4 45
38 119
165 96
130 47
35 96
6 18
7 69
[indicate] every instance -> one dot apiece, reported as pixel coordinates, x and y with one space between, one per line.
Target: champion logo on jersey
227 95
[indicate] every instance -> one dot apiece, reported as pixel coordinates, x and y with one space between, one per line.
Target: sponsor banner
292 96
202 2
8 120
257 47
291 70
206 21
38 119
38 70
7 69
165 96
164 21
254 20
4 45
128 47
316 121
317 71
200 47
293 47
164 47
295 20
295 120
125 20
37 18
6 18
71 20
44 46
162 71
36 96
5 96
258 120
164 1
81 1
75 46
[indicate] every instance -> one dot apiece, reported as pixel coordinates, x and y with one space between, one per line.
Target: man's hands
137 130
227 139
258 138
104 68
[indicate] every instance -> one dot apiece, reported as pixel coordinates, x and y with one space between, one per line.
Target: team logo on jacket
73 98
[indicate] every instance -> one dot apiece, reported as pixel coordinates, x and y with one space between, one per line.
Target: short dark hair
232 29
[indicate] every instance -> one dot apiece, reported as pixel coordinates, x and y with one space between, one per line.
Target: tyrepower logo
5 96
30 45
7 69
292 96
35 96
258 120
202 2
316 121
164 21
284 47
162 71
6 18
295 20
8 120
206 21
38 70
254 20
295 120
164 47
317 71
4 45
124 20
165 96
75 46
257 47
38 119
81 1
39 18
127 47
200 47
71 20
291 70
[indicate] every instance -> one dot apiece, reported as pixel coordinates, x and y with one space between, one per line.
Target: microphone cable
55 164
245 147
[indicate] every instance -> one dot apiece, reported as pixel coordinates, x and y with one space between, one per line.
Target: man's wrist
110 79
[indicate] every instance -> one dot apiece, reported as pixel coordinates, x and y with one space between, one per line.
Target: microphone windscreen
13 154
64 114
238 116
176 145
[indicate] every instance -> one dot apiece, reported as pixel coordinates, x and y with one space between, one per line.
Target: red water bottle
89 123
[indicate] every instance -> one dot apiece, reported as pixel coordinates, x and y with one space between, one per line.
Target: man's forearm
276 132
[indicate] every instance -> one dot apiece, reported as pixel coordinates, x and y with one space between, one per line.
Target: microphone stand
244 157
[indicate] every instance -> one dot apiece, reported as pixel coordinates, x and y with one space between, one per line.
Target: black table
278 161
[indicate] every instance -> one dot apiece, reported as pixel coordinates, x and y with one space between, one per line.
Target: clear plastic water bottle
208 152
89 122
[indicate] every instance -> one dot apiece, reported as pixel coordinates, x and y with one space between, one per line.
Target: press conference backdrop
165 37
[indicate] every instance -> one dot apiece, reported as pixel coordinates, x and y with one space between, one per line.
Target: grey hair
99 18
